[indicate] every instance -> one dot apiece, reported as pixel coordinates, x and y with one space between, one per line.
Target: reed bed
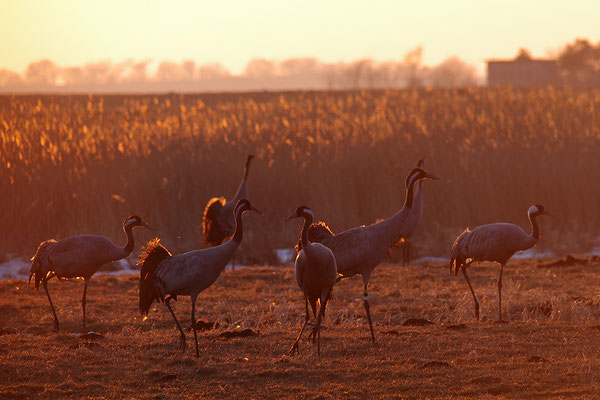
74 164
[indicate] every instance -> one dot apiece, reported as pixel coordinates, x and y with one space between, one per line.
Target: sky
76 32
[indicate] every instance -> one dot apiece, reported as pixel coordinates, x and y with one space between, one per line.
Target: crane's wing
192 272
150 258
212 226
82 255
316 233
353 250
497 242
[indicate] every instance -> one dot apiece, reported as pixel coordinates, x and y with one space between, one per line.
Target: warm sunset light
299 200
231 34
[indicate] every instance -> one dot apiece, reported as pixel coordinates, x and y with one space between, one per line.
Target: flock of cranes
323 257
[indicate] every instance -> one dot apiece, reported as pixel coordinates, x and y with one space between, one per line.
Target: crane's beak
257 210
291 217
547 213
148 226
428 175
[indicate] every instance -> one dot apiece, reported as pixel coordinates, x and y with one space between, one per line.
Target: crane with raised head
163 276
359 250
78 257
316 274
493 242
414 216
218 222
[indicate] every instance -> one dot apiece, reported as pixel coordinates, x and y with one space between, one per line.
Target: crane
493 242
78 257
359 250
316 274
415 214
163 276
218 222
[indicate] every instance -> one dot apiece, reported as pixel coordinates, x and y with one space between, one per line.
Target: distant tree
168 72
580 63
188 70
523 54
41 73
412 67
452 72
212 71
260 68
9 78
103 73
300 66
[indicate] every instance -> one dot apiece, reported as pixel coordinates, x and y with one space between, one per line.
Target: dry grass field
549 349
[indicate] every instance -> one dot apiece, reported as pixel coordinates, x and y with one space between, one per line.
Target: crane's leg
407 252
194 324
317 328
367 307
307 318
83 303
56 326
500 294
182 337
464 271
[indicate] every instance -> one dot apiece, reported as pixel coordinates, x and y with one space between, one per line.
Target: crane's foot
501 321
56 326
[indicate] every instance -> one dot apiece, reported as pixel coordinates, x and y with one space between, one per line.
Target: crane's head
421 163
134 220
301 212
416 175
537 209
244 205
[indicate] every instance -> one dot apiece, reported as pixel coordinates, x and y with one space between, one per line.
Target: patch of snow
124 267
431 260
285 256
533 253
14 268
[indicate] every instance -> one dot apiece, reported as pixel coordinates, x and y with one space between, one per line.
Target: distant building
522 71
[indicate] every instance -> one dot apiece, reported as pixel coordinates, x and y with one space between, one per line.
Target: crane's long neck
128 248
242 191
535 229
239 229
308 219
391 228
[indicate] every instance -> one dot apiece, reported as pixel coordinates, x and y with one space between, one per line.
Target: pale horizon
233 33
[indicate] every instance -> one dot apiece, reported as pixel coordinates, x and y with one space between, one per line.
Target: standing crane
316 274
493 242
78 257
218 222
413 219
359 250
187 274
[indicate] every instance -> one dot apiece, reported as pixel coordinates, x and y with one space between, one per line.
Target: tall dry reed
73 164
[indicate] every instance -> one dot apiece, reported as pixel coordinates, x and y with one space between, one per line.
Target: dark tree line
579 63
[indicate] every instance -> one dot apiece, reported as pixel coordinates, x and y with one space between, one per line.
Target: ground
428 343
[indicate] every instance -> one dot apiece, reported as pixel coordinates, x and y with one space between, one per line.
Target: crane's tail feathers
316 233
150 258
40 265
213 234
